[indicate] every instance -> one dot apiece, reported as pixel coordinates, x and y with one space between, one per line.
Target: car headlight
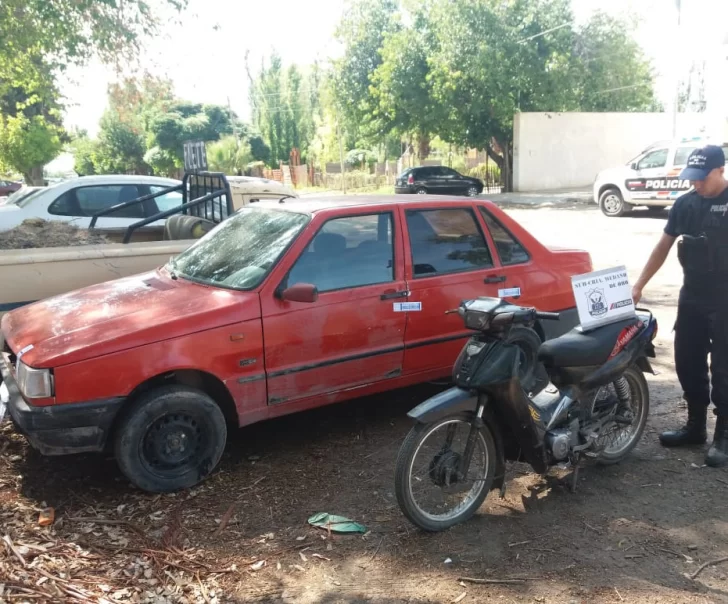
34 383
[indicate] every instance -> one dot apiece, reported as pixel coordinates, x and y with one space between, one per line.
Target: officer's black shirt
695 215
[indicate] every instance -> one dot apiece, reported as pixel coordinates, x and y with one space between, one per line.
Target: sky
204 53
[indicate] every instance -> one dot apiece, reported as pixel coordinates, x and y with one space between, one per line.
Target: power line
546 31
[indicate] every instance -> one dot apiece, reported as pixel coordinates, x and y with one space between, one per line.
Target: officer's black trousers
698 333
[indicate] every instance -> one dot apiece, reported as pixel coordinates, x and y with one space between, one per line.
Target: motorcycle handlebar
548 316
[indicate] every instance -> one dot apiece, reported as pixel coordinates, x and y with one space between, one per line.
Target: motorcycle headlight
476 320
34 383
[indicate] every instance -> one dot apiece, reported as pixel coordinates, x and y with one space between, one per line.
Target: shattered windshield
241 251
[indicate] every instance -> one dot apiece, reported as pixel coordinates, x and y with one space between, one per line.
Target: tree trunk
34 176
423 150
504 162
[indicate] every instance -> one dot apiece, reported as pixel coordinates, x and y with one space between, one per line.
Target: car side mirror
634 165
300 292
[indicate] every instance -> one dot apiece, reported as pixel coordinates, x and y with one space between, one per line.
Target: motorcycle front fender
453 400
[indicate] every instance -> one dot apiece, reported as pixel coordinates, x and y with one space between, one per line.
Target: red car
8 187
282 307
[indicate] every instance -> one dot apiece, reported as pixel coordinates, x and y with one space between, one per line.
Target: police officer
700 218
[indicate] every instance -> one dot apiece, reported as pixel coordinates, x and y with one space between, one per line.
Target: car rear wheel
170 438
612 203
473 191
421 191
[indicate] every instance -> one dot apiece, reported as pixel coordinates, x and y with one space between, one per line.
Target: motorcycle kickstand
575 474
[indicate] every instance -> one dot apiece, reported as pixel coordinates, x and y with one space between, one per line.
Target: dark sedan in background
8 186
437 180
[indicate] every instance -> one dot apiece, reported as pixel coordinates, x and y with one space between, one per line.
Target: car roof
311 205
102 179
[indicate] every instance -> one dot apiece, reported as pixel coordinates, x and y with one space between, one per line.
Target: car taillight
411 180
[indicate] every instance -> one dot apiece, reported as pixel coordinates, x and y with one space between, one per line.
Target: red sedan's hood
119 315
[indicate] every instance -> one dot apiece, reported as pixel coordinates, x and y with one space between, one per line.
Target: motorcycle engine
559 442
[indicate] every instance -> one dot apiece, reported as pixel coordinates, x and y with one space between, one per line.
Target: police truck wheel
169 439
612 204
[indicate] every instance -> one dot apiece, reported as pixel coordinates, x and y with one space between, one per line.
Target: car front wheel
170 438
473 191
612 203
421 191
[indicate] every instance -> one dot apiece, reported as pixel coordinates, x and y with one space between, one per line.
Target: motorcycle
583 394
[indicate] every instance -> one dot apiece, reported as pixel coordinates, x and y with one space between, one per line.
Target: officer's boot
693 433
717 456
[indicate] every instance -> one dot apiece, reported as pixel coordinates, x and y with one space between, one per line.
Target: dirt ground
39 233
631 533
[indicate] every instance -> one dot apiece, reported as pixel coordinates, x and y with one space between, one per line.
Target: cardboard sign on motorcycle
603 297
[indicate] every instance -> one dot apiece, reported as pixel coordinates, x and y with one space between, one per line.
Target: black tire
402 475
612 204
421 191
529 342
186 415
637 381
472 191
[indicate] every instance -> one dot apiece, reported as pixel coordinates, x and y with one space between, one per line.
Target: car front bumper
59 429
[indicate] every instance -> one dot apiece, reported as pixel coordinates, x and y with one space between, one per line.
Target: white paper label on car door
28 348
407 306
511 292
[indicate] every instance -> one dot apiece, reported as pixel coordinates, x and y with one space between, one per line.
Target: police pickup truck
650 179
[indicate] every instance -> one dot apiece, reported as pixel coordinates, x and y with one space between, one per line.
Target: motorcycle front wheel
430 490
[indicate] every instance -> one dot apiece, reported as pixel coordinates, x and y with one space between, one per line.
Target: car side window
681 155
86 201
167 201
654 159
446 241
348 252
510 251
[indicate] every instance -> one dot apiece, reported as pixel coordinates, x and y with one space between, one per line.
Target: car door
79 204
651 169
448 260
353 335
453 181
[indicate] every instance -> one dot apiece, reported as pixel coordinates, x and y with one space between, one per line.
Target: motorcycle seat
583 349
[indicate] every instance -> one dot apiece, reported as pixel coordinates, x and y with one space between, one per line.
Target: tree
39 39
229 155
31 129
401 86
121 147
362 30
285 103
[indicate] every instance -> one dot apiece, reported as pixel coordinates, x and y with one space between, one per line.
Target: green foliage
286 107
461 69
228 155
359 158
28 143
121 147
84 154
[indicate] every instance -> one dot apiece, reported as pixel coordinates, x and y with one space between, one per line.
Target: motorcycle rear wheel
483 464
640 407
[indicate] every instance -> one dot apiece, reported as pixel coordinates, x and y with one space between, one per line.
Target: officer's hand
636 294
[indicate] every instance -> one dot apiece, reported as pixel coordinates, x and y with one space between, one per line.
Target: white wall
566 150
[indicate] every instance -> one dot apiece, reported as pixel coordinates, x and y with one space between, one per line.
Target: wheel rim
472 192
439 470
172 444
619 439
612 203
421 192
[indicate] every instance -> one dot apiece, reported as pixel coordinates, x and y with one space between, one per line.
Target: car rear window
510 251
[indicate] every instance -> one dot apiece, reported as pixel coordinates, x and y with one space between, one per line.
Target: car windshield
241 251
22 194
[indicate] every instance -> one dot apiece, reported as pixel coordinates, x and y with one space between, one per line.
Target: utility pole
678 4
341 154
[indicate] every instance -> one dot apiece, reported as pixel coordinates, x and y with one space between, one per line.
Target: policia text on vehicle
700 218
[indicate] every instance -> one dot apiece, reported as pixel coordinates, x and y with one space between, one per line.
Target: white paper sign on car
603 297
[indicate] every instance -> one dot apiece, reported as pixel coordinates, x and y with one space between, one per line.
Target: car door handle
394 295
494 279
